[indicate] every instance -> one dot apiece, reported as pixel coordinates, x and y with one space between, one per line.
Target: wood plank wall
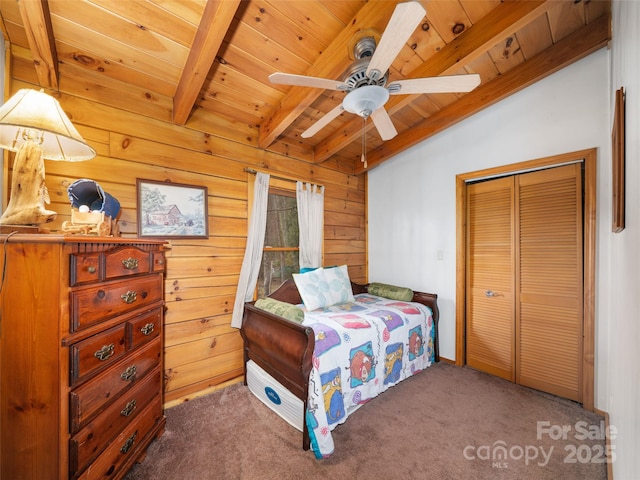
202 351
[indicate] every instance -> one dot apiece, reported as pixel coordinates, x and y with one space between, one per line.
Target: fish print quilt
362 349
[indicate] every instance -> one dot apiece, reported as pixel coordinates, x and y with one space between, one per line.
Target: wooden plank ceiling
206 64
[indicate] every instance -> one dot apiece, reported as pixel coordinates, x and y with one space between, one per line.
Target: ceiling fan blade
451 83
304 81
323 122
406 17
383 124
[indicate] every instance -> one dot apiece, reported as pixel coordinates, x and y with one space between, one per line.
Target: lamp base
28 190
28 217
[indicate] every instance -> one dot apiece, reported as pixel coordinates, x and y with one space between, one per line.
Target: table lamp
33 125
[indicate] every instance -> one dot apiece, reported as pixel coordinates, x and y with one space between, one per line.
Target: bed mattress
274 395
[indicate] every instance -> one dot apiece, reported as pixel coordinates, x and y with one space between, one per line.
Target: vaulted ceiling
205 64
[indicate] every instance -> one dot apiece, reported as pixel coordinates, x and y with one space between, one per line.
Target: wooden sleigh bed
285 349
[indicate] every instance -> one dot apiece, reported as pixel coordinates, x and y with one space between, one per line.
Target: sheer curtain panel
253 253
310 200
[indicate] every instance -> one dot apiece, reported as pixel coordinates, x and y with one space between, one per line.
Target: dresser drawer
119 262
97 352
93 438
158 261
125 445
94 395
145 327
91 305
85 268
126 261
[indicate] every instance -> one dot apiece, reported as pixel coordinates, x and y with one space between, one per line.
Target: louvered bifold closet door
490 281
549 281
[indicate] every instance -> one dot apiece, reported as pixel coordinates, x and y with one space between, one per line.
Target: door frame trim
589 158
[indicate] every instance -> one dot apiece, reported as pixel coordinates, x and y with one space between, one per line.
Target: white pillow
324 287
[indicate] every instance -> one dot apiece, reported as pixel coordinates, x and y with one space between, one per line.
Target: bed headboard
287 292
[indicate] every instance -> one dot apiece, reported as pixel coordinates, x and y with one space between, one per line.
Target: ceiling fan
365 81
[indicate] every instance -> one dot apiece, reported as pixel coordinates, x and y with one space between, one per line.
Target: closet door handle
491 293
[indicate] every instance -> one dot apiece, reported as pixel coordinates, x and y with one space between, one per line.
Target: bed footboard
281 348
431 301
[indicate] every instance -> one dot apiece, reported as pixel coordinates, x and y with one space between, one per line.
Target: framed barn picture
171 210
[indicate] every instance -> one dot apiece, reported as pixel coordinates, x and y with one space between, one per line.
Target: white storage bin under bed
274 395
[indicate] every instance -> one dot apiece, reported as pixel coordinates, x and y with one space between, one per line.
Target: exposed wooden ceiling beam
216 19
498 24
331 64
579 44
37 25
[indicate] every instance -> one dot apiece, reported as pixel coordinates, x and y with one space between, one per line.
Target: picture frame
618 163
171 210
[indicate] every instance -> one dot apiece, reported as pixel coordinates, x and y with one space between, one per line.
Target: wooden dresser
81 355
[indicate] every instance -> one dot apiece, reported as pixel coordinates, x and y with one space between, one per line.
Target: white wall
412 208
622 388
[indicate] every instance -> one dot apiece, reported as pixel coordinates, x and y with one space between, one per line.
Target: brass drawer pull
91 269
147 329
129 297
130 263
129 408
105 352
129 443
129 373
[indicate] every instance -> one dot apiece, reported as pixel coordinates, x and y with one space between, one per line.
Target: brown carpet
444 423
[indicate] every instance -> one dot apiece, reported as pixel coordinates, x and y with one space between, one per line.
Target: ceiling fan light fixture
365 100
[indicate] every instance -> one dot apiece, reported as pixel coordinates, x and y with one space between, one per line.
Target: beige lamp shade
34 115
33 125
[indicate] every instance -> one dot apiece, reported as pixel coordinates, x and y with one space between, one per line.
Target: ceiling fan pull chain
363 158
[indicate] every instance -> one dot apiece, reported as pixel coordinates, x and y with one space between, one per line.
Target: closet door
524 310
490 277
549 307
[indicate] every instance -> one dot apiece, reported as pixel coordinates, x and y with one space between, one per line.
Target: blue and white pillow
324 287
339 284
313 289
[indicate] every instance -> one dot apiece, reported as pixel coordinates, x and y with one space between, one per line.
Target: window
280 257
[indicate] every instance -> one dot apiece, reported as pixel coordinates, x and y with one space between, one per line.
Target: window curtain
310 200
253 253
